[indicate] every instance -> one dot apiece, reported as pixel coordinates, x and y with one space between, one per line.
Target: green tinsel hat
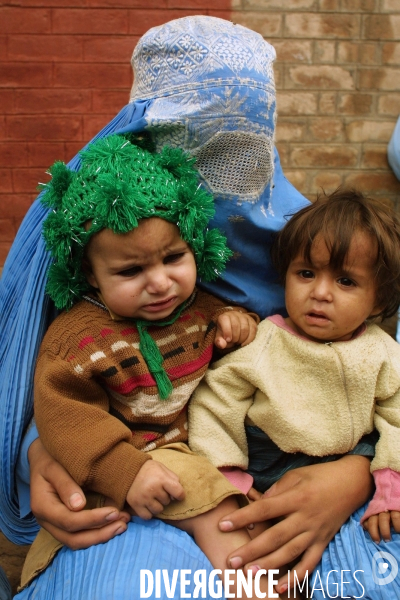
120 182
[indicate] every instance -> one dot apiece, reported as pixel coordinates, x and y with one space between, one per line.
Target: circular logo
384 568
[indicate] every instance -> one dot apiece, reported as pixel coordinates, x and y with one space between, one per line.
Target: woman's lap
112 570
352 557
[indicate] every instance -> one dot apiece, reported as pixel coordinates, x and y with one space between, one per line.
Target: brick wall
65 72
338 81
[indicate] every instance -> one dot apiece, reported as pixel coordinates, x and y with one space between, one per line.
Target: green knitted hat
121 181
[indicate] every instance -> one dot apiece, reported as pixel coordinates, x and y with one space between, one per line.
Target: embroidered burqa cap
203 84
207 85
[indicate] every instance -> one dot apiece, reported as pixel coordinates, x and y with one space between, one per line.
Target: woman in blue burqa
205 85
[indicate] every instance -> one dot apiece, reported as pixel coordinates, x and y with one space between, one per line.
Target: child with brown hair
312 384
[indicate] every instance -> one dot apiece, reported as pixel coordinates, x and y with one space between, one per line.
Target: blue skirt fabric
125 568
5 587
352 566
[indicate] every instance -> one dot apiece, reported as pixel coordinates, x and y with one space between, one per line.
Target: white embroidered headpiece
212 88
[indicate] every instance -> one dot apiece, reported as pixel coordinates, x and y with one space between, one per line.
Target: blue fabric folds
353 566
25 313
112 571
5 587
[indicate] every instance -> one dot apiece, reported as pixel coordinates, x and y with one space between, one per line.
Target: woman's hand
310 505
57 503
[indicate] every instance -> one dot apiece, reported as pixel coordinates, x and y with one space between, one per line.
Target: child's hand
254 494
378 526
235 329
154 487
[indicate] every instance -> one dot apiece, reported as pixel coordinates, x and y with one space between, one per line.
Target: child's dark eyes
306 274
131 272
171 258
346 282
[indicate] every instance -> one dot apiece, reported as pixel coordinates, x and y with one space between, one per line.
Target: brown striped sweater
97 407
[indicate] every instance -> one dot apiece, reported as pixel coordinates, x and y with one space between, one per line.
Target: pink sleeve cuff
387 493
240 479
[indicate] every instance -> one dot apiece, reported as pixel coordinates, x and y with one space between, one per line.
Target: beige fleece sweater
309 397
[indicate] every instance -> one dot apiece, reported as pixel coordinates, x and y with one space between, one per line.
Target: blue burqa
206 85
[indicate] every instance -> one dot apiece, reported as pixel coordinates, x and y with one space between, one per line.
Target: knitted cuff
387 493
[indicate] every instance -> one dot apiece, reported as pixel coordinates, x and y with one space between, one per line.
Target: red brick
327 181
200 4
324 52
15 205
127 3
314 25
7 230
329 5
13 154
359 5
44 128
26 180
298 179
43 154
374 157
90 21
24 75
46 48
108 101
290 131
293 51
373 183
72 149
390 6
7 101
5 181
277 4
105 49
93 124
388 104
327 103
382 79
14 20
53 101
4 250
267 24
26 3
3 47
220 14
327 129
382 27
323 77
324 156
300 103
391 53
355 104
141 20
283 151
358 53
92 75
369 131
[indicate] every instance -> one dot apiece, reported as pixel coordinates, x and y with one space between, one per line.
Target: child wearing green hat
128 234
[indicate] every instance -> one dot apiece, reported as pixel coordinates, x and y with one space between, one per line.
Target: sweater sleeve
387 493
387 410
218 409
72 418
